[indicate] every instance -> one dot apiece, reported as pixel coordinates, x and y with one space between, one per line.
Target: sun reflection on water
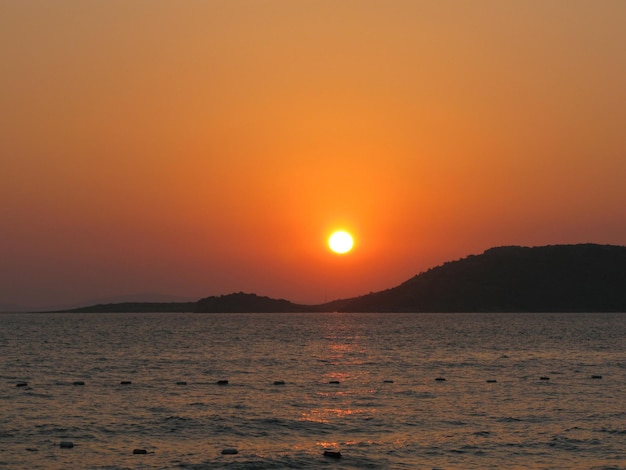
325 415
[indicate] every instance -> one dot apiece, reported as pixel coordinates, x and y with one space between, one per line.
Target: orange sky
204 147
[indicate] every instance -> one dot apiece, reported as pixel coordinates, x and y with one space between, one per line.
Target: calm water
569 421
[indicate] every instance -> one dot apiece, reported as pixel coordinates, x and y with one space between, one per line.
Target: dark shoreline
554 278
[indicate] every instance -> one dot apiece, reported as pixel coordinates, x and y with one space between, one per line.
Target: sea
313 390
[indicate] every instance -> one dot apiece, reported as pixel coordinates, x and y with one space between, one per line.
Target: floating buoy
181 382
333 454
440 379
125 382
66 444
335 382
388 381
79 382
491 381
596 376
279 382
229 451
544 378
222 382
140 451
21 384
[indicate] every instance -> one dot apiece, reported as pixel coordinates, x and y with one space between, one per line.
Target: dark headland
555 278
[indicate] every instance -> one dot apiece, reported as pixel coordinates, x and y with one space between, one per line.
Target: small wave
509 419
613 431
458 451
47 396
158 409
564 443
199 404
416 394
177 418
456 422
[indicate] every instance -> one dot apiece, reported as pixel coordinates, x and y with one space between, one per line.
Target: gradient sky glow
204 147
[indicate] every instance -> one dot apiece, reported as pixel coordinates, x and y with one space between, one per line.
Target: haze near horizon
204 148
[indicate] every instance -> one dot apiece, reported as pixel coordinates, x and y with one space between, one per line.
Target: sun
341 242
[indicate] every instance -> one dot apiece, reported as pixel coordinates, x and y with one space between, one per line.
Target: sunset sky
206 147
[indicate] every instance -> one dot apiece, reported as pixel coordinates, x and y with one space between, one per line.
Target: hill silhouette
557 278
242 302
554 278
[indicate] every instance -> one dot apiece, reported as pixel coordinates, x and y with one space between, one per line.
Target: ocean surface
544 391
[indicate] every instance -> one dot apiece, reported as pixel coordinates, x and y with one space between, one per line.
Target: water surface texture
520 390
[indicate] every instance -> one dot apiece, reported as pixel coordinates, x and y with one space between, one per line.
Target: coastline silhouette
553 278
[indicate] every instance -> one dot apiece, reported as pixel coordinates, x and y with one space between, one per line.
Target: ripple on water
460 423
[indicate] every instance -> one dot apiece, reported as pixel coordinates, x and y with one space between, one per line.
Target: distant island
554 278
